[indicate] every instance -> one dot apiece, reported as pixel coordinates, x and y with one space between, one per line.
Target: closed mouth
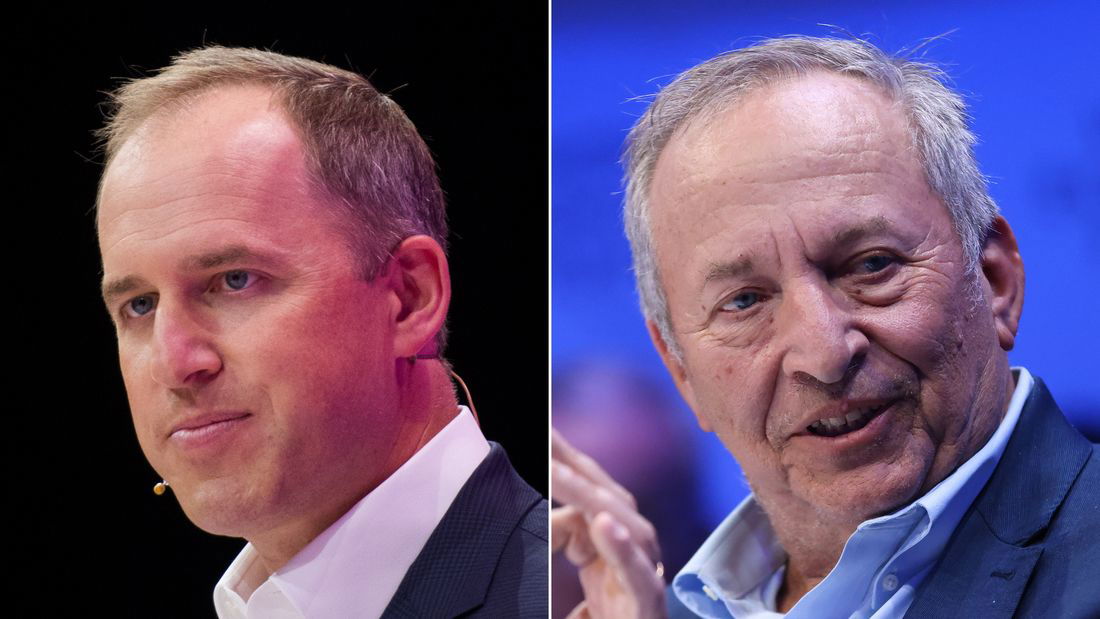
205 422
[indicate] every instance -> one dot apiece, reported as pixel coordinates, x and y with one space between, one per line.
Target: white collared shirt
354 567
739 569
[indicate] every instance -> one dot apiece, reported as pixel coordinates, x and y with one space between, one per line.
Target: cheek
145 412
323 328
942 336
320 357
927 329
141 395
734 392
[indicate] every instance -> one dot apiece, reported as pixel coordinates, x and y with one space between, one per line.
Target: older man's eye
875 263
741 301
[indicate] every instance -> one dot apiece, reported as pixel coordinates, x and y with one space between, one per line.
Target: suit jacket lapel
991 555
452 573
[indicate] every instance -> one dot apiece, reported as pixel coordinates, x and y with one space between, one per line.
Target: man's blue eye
874 264
237 280
141 305
742 301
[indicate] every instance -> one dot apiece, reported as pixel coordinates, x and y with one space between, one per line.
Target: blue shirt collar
738 568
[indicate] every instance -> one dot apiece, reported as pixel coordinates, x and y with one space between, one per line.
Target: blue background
1028 71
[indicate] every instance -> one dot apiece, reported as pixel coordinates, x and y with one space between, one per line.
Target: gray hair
362 153
937 121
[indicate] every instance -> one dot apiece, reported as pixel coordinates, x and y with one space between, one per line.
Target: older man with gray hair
834 294
272 232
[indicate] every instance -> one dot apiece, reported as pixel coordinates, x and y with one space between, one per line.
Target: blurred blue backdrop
1029 73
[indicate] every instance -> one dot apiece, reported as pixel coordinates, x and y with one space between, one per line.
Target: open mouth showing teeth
835 426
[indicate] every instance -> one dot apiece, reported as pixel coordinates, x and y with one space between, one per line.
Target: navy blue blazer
489 555
1029 546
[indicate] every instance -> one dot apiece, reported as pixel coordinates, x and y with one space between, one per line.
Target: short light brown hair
362 153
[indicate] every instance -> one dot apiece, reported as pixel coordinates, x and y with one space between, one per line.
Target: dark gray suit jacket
489 555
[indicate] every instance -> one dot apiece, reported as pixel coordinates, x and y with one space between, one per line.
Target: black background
91 538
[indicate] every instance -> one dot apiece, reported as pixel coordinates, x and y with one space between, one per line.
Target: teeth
835 426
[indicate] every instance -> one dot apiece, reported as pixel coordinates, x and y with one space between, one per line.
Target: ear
676 370
422 283
1004 270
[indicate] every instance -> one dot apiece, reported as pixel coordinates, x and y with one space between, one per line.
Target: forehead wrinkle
765 160
243 186
162 232
243 180
231 196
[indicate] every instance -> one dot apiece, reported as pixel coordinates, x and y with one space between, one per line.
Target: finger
562 450
569 531
580 612
578 491
563 520
637 573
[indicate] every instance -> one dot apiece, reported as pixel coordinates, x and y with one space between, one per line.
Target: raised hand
601 532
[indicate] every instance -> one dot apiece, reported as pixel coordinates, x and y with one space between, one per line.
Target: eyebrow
728 270
876 225
119 287
197 262
743 266
219 257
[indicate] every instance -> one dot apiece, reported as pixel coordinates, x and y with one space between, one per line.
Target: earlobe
676 369
422 284
1004 271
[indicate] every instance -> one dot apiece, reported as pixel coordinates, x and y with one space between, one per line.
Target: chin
220 508
873 490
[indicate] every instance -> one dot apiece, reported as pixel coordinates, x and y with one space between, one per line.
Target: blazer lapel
984 581
452 573
987 563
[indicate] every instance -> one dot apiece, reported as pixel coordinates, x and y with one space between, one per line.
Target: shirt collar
950 498
738 562
354 567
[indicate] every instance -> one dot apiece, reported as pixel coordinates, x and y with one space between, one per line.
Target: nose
183 352
822 340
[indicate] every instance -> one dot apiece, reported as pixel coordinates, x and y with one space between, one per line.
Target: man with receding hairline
834 294
273 241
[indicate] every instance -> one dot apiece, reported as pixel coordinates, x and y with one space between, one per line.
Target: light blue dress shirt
739 569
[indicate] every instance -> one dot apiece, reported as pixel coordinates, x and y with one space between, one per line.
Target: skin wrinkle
254 189
143 195
826 328
240 170
743 262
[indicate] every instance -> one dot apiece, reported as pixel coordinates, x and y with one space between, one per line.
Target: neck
812 552
814 545
795 585
426 403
